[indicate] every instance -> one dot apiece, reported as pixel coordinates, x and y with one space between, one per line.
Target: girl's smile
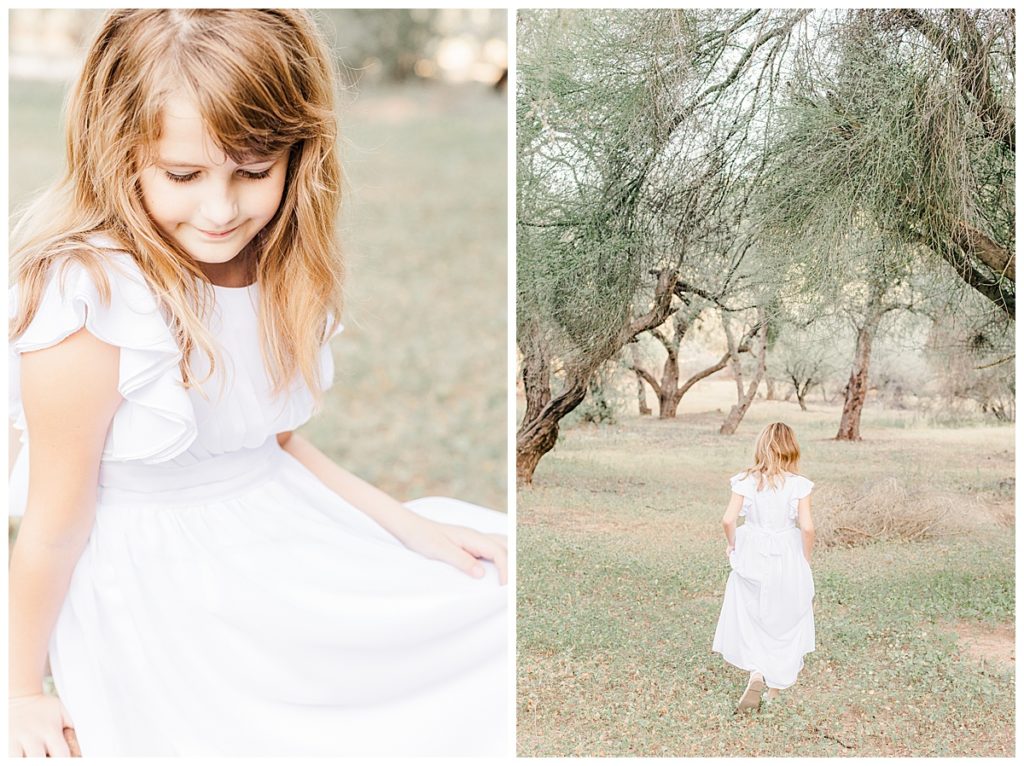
209 205
218 234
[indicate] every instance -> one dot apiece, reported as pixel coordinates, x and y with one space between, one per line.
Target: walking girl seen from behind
204 580
767 625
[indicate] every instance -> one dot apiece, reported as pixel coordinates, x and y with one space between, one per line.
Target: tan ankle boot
751 698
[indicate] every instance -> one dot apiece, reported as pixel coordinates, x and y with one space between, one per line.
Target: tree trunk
857 385
667 389
536 372
668 401
538 434
641 392
641 395
769 388
734 356
800 389
732 422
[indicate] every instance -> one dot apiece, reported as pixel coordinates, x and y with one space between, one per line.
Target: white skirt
240 607
767 623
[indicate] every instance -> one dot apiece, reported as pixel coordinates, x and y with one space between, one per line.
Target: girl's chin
213 253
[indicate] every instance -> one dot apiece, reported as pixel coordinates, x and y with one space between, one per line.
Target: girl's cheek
271 197
169 200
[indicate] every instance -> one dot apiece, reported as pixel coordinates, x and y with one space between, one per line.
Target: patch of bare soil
985 643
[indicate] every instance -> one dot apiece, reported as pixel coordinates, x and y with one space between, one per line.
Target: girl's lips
217 234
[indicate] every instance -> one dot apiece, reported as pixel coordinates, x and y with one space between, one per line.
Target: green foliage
627 164
887 135
588 126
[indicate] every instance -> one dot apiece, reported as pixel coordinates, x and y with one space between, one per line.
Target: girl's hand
37 724
729 549
461 547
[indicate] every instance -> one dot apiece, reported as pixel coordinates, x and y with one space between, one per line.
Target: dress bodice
236 408
771 508
160 421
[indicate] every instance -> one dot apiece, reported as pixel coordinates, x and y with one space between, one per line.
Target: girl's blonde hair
775 453
264 83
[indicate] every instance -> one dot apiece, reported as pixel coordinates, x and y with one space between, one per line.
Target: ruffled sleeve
801 488
299 403
156 421
327 357
743 484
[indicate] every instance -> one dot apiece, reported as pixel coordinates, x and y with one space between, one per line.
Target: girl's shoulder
744 483
104 291
96 284
800 485
96 264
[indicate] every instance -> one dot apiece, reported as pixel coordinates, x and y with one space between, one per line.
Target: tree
677 140
878 281
911 126
804 358
856 391
624 165
667 388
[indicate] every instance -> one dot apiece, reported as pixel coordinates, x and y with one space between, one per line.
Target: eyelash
248 174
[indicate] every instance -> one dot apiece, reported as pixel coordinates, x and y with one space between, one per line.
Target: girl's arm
732 514
69 392
13 447
806 523
458 546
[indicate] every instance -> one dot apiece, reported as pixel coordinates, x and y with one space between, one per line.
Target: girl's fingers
72 739
34 750
461 560
57 747
499 555
486 547
468 545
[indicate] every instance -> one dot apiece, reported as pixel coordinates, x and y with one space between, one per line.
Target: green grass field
621 572
419 403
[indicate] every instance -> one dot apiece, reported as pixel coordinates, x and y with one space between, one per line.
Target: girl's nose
219 208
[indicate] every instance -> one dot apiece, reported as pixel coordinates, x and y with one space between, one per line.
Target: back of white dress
766 622
769 507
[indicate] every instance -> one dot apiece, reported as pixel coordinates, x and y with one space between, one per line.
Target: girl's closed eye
183 178
254 175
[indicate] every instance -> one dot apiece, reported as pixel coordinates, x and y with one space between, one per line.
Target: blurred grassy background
419 402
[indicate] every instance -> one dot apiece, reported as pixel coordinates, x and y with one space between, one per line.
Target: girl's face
198 197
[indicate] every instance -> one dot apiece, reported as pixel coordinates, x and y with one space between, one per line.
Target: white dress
766 622
227 602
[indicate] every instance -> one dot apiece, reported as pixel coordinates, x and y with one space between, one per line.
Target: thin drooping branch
969 60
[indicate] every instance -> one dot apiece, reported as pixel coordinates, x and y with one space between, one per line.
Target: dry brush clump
887 510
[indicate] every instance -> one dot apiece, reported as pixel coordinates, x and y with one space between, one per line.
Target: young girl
766 625
206 581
